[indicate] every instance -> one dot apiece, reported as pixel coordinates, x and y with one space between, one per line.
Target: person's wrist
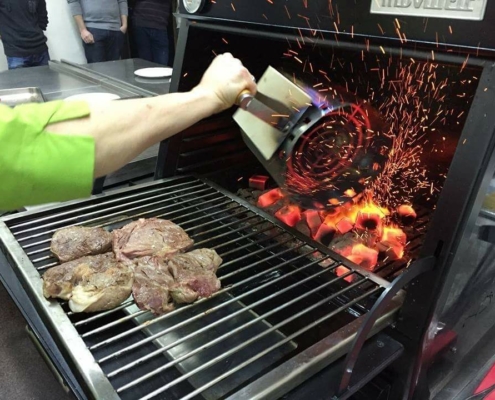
210 97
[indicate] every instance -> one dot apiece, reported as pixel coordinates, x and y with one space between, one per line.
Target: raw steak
150 237
78 241
194 275
152 281
92 283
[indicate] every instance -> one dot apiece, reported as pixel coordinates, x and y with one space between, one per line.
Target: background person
22 23
102 25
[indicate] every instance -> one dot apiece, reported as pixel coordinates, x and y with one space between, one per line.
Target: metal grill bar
268 350
140 202
126 218
270 281
131 316
78 211
195 227
224 319
261 335
214 309
225 290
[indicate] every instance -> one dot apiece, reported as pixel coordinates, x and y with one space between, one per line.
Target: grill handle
417 268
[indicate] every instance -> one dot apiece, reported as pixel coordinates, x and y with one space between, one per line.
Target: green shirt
42 167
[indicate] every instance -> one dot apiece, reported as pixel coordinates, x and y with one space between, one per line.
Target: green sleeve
40 167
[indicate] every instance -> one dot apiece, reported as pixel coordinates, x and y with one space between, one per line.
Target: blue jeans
108 45
36 60
152 44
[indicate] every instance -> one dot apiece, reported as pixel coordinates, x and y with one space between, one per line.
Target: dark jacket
151 13
22 23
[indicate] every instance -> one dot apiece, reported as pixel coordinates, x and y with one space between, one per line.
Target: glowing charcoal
341 270
392 250
344 225
258 182
325 234
369 256
406 214
394 235
289 215
269 198
313 220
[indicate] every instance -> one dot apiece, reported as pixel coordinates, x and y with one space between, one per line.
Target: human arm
124 12
42 15
123 27
77 13
124 129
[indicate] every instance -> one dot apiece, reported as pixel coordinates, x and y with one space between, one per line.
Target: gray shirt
100 14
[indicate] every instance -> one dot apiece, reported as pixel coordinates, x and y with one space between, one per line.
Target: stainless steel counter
57 82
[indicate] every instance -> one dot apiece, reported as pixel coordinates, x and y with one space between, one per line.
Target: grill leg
419 267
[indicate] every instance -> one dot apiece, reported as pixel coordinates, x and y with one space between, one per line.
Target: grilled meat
152 282
78 241
99 290
194 275
183 278
150 237
58 281
92 283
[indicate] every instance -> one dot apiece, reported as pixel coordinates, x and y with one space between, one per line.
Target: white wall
63 37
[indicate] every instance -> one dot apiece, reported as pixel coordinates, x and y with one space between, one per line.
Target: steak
78 241
183 278
150 237
194 275
152 282
92 283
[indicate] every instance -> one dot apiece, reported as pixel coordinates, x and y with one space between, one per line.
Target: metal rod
259 336
286 340
106 201
251 243
229 233
243 211
249 266
101 314
114 323
127 217
225 290
148 212
248 236
226 335
125 205
223 226
224 319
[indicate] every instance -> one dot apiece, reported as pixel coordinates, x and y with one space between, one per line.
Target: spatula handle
244 99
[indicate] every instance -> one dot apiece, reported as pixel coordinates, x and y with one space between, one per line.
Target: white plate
154 72
93 97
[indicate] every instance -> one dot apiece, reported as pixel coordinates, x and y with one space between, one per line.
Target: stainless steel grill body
281 300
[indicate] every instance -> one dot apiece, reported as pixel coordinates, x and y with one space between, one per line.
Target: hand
87 36
224 81
123 29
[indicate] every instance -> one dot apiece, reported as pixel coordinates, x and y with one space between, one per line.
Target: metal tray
14 97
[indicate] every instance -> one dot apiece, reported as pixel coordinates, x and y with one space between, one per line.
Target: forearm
124 129
123 19
80 22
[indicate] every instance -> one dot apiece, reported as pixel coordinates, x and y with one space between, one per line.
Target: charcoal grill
278 302
285 325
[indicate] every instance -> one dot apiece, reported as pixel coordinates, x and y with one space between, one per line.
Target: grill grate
276 301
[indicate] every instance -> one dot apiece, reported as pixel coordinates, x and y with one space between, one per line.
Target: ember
289 215
258 182
359 231
269 198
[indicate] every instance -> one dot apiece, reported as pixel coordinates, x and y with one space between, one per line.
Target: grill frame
65 333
